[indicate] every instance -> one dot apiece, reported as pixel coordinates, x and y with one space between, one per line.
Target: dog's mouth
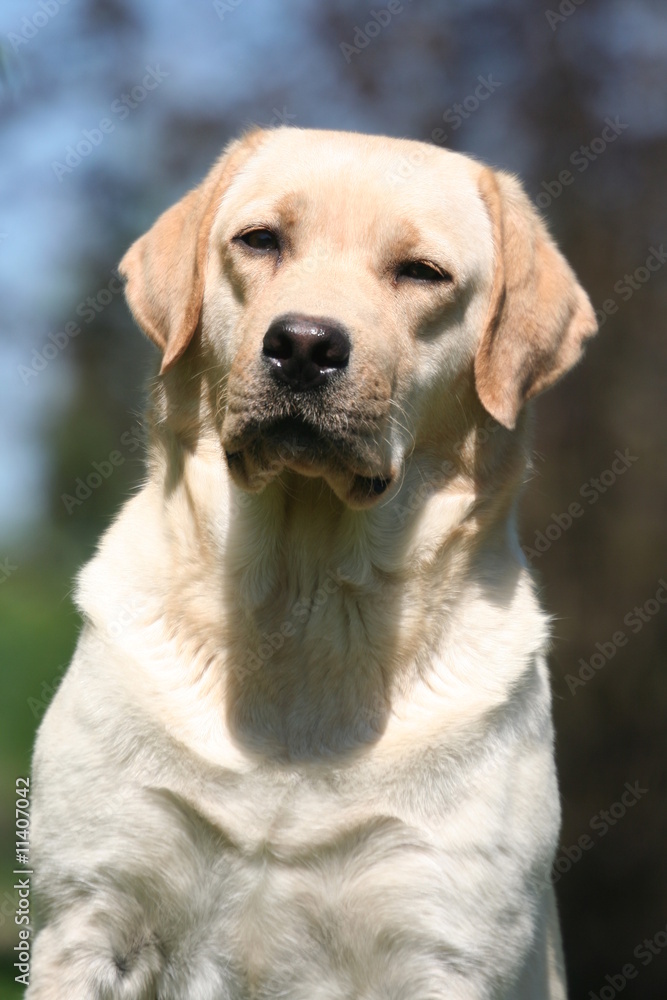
352 466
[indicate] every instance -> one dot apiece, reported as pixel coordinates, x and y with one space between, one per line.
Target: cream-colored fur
304 749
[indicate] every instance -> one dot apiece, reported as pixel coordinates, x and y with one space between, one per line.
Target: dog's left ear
539 315
165 269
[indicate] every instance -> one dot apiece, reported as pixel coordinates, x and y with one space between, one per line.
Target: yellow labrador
304 749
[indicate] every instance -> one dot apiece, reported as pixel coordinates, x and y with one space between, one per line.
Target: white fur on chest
381 876
368 881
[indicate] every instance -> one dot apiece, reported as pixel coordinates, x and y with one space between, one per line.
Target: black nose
305 352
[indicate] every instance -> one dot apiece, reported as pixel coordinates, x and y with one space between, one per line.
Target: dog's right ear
165 268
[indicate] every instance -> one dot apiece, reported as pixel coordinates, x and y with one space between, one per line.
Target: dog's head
353 298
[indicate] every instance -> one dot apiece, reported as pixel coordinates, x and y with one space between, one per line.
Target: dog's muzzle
299 408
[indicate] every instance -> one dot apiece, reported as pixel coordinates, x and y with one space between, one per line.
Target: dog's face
355 295
341 304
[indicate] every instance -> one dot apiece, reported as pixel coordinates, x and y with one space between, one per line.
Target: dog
304 748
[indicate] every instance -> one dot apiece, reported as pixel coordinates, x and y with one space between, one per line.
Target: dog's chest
328 889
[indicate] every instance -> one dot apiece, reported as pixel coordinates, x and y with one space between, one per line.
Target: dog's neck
308 605
298 623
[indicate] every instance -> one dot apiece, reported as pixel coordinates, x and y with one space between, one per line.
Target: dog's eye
260 239
421 270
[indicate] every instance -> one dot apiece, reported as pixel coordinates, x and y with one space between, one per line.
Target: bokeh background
575 87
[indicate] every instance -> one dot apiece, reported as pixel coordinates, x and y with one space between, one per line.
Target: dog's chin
257 457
